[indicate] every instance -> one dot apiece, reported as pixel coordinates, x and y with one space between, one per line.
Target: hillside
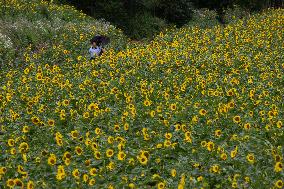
194 108
36 28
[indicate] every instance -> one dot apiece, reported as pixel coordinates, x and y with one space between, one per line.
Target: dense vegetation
33 28
196 107
144 18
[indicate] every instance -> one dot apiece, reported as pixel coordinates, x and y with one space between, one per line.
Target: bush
235 13
145 25
204 18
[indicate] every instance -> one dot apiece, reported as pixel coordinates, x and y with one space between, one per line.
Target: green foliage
203 18
194 108
129 14
178 12
35 25
235 13
145 25
255 5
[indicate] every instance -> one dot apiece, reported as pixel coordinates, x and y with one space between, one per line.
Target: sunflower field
194 108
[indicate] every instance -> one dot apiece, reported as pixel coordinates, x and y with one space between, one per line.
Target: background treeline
143 18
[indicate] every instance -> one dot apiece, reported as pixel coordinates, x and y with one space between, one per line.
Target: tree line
142 18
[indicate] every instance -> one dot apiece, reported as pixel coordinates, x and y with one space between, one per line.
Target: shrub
204 18
235 13
145 25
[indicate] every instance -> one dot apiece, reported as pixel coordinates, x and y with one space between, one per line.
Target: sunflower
223 156
159 109
114 90
67 161
98 131
111 166
74 134
67 155
93 106
39 76
65 51
110 186
250 113
279 124
187 135
87 162
203 143
167 143
131 185
216 169
145 153
279 184
62 116
86 115
250 158
173 107
24 147
109 153
231 105
19 183
10 183
230 92
159 145
173 173
234 184
11 142
121 80
247 179
218 133
247 126
78 150
93 171
25 129
26 71
143 160
202 112
35 120
97 155
52 159
76 173
94 146
278 167
195 119
60 173
116 127
161 185
177 127
92 181
126 126
51 122
147 102
110 139
121 156
30 185
277 158
210 146
237 119
3 170
85 177
152 113
13 151
168 135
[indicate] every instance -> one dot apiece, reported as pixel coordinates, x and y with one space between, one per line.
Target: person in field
97 46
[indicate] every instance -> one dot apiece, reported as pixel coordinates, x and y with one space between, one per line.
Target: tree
178 12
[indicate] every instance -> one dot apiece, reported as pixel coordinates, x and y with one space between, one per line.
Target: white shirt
95 50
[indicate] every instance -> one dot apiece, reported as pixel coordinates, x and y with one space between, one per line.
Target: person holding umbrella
97 48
